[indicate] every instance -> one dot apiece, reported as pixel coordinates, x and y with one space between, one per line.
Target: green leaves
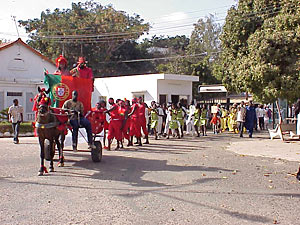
261 45
88 29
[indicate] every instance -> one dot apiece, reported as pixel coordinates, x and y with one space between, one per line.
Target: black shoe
74 147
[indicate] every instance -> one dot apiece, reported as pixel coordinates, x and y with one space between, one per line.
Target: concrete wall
174 87
151 86
126 87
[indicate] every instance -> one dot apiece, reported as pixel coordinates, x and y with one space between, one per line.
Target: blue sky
167 17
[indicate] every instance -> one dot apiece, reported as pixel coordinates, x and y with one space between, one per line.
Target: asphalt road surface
189 181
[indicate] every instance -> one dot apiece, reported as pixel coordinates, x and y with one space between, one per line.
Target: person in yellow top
232 123
180 117
154 119
224 119
173 123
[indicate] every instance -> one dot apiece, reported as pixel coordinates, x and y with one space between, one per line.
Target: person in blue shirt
251 119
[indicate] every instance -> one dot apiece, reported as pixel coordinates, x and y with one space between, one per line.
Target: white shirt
15 113
240 117
260 112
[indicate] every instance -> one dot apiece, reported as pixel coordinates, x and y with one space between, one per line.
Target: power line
102 35
162 58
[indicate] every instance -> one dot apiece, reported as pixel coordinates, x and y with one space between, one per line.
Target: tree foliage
260 49
201 53
90 29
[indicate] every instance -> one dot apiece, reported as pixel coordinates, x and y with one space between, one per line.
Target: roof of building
216 88
19 41
160 76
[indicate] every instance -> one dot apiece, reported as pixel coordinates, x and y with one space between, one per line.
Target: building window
14 93
136 95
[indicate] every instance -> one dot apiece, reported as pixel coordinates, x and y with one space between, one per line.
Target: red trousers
125 129
135 127
114 130
144 125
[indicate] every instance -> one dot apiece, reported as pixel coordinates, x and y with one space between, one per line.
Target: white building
152 87
21 72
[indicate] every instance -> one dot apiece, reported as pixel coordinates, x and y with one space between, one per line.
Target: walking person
203 120
180 118
260 114
154 120
161 116
190 119
240 118
173 125
215 122
15 116
197 115
250 119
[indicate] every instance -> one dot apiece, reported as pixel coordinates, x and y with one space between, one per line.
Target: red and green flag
61 88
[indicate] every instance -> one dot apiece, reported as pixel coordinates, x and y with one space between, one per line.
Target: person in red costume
127 122
61 65
142 118
99 117
123 116
114 129
135 126
81 70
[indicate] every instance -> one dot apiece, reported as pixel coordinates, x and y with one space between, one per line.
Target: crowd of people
124 119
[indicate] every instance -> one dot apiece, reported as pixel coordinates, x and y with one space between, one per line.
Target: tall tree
87 28
201 54
260 49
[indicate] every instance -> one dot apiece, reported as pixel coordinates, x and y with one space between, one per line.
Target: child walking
215 121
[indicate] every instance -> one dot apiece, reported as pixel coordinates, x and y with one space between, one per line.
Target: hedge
24 128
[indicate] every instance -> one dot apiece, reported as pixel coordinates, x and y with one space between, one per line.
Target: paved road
190 181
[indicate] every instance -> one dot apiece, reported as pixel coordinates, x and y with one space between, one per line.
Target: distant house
162 88
21 72
158 50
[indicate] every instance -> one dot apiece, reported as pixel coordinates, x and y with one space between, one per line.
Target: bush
24 128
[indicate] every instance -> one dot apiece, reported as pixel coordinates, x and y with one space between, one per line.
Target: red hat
60 59
81 60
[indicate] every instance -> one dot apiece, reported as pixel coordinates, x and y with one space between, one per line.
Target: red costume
135 126
142 118
84 72
114 129
125 129
99 120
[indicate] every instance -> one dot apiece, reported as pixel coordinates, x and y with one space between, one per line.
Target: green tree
260 49
205 43
89 29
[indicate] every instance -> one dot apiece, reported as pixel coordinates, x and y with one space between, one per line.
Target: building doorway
162 99
175 98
